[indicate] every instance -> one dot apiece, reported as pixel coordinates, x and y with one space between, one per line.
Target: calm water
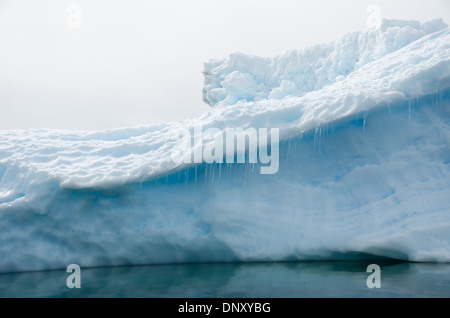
271 280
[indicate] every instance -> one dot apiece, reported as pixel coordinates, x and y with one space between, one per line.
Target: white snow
364 166
246 78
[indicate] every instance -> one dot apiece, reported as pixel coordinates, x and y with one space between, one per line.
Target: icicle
409 110
246 170
195 175
364 123
317 138
436 99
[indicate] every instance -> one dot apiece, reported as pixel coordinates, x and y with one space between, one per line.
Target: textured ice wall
375 183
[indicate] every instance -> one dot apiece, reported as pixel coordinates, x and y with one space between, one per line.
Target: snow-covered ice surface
364 167
246 78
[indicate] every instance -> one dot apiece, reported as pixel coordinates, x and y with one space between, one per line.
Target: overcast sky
100 64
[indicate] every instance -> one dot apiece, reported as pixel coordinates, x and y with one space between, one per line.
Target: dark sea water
230 280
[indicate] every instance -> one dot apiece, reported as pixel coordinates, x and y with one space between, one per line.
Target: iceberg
364 167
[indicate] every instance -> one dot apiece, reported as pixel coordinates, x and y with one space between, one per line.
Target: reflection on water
270 280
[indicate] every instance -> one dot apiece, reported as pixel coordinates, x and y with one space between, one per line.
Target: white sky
134 63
